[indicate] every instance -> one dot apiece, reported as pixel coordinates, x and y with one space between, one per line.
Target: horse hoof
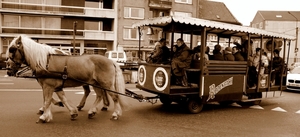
104 109
79 108
40 121
41 112
92 115
60 104
114 118
73 117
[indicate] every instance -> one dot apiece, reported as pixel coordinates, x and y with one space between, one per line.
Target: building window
10 21
32 1
183 14
53 23
136 13
184 1
93 25
130 33
261 25
31 22
94 4
185 37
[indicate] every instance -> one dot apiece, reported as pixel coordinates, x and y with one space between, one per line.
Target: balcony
160 4
99 35
104 13
59 33
57 10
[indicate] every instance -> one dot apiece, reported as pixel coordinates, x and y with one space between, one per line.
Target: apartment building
282 22
101 25
52 22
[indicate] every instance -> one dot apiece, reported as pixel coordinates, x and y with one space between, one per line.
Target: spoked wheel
165 100
194 106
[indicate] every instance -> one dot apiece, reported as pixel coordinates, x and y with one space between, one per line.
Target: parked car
118 56
293 79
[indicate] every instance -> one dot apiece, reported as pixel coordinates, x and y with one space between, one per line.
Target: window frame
129 11
183 1
130 33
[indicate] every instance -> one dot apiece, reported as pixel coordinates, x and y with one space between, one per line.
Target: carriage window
114 55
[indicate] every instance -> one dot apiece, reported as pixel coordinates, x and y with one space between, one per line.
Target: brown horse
13 69
57 72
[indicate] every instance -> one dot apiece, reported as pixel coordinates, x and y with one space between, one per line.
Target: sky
245 10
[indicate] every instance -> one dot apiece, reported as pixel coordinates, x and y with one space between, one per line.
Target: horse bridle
13 50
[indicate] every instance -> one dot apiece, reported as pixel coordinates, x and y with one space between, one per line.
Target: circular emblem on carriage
142 75
160 79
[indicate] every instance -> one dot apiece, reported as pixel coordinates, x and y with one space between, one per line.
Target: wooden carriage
210 81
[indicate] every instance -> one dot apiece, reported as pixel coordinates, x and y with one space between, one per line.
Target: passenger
278 64
264 61
228 54
181 60
217 54
244 50
255 65
197 54
237 54
269 49
207 52
160 54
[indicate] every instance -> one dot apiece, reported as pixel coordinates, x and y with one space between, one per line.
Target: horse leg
105 101
70 107
87 91
100 95
47 115
117 107
55 102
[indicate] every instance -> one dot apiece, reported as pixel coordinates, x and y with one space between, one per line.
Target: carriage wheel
225 103
165 100
254 96
194 106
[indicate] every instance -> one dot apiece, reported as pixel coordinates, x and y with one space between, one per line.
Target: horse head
11 67
16 52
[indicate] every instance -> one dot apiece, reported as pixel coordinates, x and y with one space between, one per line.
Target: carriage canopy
194 25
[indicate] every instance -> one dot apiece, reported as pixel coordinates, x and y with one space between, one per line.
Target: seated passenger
160 54
228 54
237 54
217 55
181 60
197 54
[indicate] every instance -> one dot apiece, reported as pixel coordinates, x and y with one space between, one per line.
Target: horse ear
18 40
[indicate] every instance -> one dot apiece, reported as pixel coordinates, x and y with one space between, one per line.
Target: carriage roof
191 25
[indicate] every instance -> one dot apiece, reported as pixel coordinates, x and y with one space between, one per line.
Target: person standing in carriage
182 59
278 64
160 54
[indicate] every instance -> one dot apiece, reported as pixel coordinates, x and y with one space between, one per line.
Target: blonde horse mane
36 54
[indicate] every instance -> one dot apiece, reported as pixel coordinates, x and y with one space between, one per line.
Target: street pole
74 33
296 45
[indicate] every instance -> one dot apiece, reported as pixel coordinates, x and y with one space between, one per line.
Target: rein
65 77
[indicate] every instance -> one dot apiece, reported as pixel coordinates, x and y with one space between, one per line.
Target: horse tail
120 85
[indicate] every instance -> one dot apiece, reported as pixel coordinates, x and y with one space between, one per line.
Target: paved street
21 98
